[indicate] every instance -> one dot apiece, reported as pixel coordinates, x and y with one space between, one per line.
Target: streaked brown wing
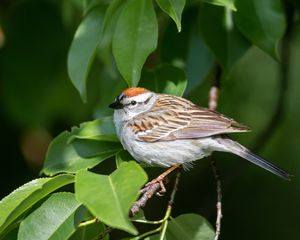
206 123
169 120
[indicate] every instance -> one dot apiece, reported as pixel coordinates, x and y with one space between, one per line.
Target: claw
160 179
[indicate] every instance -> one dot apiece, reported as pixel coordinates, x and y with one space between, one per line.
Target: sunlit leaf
99 129
123 156
67 153
56 219
20 200
109 198
134 39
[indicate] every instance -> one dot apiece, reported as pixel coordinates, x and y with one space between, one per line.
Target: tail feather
238 149
251 157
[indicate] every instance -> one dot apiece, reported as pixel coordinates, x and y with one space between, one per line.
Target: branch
214 90
156 186
164 222
213 103
279 110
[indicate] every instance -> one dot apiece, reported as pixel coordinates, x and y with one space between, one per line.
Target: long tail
238 149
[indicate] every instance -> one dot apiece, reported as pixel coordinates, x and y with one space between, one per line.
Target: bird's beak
116 104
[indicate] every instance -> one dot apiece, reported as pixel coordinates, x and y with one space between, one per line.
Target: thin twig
279 110
175 187
214 90
213 103
219 198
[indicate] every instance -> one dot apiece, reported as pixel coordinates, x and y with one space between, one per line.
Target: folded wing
175 119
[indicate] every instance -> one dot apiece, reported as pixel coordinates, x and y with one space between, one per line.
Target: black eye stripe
128 104
147 100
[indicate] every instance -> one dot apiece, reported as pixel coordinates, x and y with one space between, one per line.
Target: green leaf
199 60
20 200
89 231
225 3
109 25
188 226
89 5
67 153
57 218
110 19
110 198
134 39
83 48
226 42
174 46
174 9
12 234
140 216
262 23
100 129
165 79
123 156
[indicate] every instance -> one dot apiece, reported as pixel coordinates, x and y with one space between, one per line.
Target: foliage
131 39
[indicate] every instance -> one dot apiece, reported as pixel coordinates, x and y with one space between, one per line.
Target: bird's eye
133 103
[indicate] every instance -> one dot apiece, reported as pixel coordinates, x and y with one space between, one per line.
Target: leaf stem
147 233
89 222
163 230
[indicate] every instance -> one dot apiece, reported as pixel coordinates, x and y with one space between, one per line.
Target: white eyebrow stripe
120 97
141 98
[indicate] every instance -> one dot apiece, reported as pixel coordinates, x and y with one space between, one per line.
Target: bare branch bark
141 202
213 103
155 187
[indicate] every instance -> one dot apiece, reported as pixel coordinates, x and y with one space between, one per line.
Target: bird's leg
160 179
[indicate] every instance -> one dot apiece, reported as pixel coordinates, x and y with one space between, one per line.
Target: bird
166 130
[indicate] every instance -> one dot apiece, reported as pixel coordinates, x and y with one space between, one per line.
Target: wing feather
181 119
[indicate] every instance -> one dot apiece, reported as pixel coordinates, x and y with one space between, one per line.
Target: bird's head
133 101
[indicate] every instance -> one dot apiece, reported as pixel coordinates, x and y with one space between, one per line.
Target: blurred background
38 102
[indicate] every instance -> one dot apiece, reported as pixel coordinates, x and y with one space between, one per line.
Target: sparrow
166 130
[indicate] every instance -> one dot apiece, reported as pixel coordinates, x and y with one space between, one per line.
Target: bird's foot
159 182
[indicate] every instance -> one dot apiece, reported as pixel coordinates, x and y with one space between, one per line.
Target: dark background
38 101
